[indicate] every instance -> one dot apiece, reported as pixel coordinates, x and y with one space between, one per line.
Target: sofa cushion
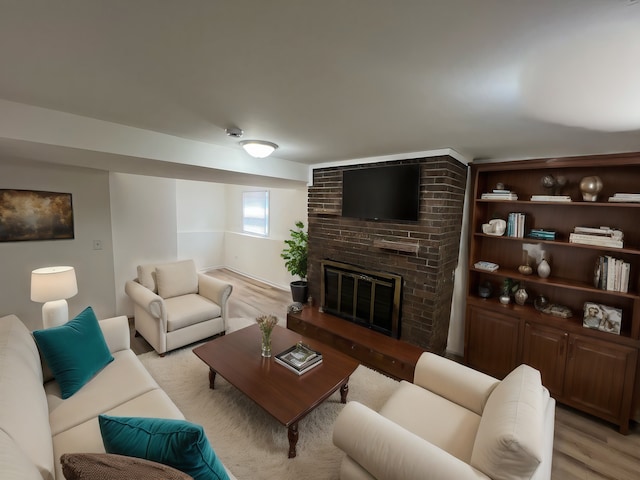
441 422
147 277
177 443
119 382
106 466
177 278
509 443
75 351
187 310
24 415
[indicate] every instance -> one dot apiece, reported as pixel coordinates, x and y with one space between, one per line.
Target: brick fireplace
424 253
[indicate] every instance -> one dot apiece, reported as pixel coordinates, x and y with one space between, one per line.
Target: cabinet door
599 378
491 341
545 349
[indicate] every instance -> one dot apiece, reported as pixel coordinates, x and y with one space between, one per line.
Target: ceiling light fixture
258 148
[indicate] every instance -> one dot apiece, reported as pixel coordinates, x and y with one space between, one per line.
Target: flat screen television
382 193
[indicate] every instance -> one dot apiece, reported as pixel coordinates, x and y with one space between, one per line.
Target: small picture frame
602 317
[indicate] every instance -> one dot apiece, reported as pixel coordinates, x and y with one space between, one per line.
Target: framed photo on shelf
602 317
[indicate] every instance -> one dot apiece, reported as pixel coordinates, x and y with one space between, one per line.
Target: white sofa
174 305
37 426
452 422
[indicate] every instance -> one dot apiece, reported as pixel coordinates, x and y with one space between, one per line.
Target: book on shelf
612 274
598 236
499 196
542 234
515 224
488 266
550 198
625 197
299 358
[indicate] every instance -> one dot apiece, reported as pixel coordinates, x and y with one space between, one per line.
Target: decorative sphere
548 181
590 187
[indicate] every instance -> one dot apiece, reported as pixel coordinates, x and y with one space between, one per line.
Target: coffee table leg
212 377
293 439
344 391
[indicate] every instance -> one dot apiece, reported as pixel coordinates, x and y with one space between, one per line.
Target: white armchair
174 305
452 422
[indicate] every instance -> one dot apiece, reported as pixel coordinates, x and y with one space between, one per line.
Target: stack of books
515 224
300 358
542 234
500 195
612 274
602 236
550 198
625 198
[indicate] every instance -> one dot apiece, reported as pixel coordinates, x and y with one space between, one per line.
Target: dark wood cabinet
592 370
492 341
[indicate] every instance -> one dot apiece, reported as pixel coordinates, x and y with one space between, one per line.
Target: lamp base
55 313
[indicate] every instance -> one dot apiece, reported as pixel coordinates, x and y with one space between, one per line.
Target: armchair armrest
454 381
388 452
116 333
215 290
150 302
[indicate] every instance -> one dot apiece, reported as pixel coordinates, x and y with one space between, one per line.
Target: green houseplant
295 257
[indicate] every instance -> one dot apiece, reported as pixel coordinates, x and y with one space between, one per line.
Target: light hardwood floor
584 447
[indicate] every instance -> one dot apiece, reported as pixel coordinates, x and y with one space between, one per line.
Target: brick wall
424 253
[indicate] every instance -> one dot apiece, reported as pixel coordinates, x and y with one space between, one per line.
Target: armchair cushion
147 277
187 310
75 351
509 442
441 422
177 278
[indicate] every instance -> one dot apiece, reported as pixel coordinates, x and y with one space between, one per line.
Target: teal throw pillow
75 351
177 443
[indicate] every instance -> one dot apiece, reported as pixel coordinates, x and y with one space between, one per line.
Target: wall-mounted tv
382 193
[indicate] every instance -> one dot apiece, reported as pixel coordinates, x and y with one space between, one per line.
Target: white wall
92 221
259 257
201 218
455 340
143 213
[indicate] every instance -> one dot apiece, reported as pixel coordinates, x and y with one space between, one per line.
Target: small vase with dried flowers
266 324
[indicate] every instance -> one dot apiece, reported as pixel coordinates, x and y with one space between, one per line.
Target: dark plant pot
299 291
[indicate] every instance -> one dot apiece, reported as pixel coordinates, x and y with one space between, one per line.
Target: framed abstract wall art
27 215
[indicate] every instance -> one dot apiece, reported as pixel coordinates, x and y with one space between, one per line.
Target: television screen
382 193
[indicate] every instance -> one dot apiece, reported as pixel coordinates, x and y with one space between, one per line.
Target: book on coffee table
299 358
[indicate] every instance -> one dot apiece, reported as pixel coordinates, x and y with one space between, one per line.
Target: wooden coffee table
283 394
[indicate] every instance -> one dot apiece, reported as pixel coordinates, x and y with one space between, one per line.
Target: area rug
249 442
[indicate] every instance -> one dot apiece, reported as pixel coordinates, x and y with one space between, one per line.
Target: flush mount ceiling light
258 148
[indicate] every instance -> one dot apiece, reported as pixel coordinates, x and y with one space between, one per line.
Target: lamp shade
53 283
258 148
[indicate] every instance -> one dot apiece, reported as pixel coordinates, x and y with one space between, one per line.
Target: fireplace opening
365 297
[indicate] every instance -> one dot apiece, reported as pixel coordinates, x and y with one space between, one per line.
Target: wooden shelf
591 370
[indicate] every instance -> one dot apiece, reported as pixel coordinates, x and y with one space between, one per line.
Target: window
255 213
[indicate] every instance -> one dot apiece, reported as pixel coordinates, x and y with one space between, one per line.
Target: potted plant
295 256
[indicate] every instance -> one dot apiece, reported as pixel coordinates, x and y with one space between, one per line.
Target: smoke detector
234 132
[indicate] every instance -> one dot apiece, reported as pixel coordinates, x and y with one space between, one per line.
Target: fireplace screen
365 297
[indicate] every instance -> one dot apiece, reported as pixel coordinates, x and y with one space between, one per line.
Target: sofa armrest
116 333
454 381
388 452
150 302
215 290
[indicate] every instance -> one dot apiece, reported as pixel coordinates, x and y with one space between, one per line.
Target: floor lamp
53 285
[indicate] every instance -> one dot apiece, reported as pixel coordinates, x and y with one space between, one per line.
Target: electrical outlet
97 244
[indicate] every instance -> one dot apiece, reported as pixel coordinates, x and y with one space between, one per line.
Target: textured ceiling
327 81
